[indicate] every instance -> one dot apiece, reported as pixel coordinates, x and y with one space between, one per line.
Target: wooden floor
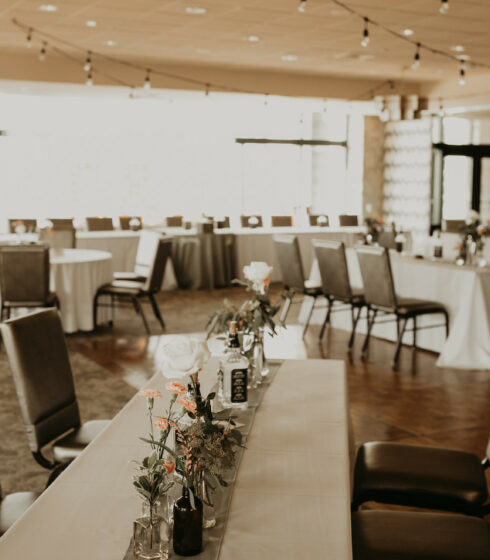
418 403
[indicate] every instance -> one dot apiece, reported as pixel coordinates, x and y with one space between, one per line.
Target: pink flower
169 467
150 394
161 423
188 404
176 388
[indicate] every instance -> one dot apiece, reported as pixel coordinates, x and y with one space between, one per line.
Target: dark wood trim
300 142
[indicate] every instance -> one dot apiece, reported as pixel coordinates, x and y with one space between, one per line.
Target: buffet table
291 498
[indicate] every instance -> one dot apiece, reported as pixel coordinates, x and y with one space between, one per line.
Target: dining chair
409 535
13 506
99 224
40 366
174 221
131 291
130 223
336 286
145 255
453 226
293 279
29 224
380 295
58 237
24 278
347 220
421 476
281 221
62 223
319 220
251 221
387 239
223 223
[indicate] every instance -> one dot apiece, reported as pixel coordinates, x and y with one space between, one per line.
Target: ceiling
325 39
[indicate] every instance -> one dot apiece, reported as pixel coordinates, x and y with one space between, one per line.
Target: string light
302 6
29 38
444 8
266 99
88 62
147 84
42 54
89 81
365 34
207 90
416 58
462 74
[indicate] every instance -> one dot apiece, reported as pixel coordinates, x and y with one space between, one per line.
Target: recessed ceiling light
48 8
251 38
195 10
457 48
408 32
289 57
110 43
203 51
91 23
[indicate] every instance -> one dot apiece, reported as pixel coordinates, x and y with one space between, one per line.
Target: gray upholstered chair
29 224
293 278
99 224
421 476
38 358
380 295
319 220
251 221
145 255
24 278
174 221
14 506
336 286
386 239
408 535
281 221
131 291
124 223
347 220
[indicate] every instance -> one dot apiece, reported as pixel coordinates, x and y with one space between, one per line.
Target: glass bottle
235 373
437 245
187 531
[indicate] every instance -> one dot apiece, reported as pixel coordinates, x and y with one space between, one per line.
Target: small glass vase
188 524
259 360
208 512
150 535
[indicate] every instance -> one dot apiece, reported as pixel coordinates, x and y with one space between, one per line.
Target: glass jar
151 535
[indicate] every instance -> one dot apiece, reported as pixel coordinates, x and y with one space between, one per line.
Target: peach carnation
150 394
169 467
176 388
161 423
188 404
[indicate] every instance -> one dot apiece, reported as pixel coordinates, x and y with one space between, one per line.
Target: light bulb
365 34
42 54
147 84
416 58
29 39
444 7
302 6
89 81
88 63
462 77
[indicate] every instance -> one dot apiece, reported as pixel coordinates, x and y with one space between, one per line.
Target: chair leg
327 319
41 460
371 318
399 342
285 309
446 316
308 317
415 332
139 309
96 297
111 322
355 320
156 310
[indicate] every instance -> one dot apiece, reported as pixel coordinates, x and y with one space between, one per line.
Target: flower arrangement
474 230
374 226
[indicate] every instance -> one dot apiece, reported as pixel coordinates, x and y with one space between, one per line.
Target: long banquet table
291 499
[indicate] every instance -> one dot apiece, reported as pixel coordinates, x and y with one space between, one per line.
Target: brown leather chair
334 273
145 255
38 358
346 220
408 535
223 224
124 223
24 278
453 226
100 224
380 295
421 476
251 221
14 506
319 220
281 221
60 224
174 221
291 265
124 290
29 224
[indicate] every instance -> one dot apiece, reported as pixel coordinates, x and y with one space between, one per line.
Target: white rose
257 272
183 356
472 217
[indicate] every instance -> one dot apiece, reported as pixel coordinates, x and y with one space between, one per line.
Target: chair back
387 239
223 224
488 449
59 238
251 221
145 255
453 226
174 221
125 225
281 221
346 220
24 274
153 283
375 265
29 224
319 220
332 264
62 223
38 358
100 224
288 254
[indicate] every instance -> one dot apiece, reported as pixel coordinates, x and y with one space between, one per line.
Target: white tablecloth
121 244
465 292
291 500
76 274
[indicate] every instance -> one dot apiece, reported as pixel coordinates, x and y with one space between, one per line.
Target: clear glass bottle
220 370
235 373
437 244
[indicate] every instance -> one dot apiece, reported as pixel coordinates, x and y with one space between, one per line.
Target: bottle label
238 385
438 251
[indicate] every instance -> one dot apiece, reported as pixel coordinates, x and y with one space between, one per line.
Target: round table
75 276
122 245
